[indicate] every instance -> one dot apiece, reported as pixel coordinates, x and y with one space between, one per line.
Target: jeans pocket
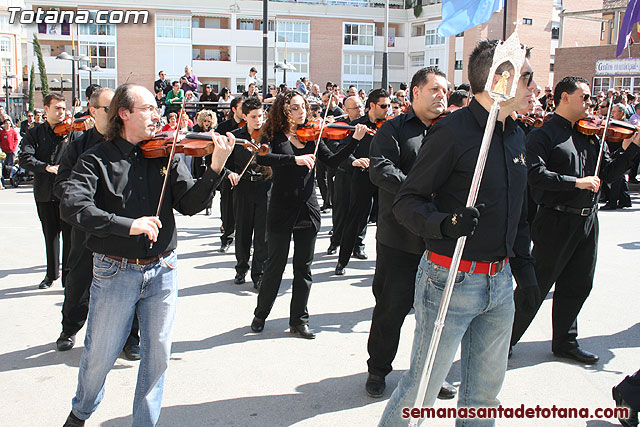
438 276
169 261
106 268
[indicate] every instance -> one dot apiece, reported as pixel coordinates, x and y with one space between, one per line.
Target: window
195 22
432 38
298 59
417 30
458 64
104 82
416 60
367 86
100 53
601 84
212 54
246 24
434 62
527 21
292 31
555 33
602 31
358 34
212 23
173 28
623 83
358 64
5 66
96 29
195 54
4 45
551 67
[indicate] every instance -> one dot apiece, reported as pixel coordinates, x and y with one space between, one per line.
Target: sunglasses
586 97
383 106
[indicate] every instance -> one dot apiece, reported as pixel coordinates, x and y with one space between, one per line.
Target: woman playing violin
293 208
206 120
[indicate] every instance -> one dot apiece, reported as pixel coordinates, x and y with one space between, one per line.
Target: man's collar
482 115
124 146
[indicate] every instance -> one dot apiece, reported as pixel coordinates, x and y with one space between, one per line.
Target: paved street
221 374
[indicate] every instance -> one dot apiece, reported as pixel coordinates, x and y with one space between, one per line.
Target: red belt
481 267
140 261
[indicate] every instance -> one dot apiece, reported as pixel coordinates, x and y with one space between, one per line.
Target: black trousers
226 211
304 242
52 227
250 210
360 203
325 176
565 248
76 291
8 164
393 288
619 193
341 196
629 388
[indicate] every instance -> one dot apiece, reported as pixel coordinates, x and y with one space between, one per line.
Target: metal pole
265 45
385 54
504 21
455 262
6 89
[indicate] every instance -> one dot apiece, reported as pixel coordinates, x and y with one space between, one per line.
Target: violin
197 144
616 132
80 125
311 130
532 119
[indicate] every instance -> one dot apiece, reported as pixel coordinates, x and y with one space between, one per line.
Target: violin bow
604 137
253 156
166 175
315 150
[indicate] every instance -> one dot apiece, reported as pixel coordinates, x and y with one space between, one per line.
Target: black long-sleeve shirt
161 85
40 148
393 151
440 179
557 154
70 156
292 193
112 184
240 156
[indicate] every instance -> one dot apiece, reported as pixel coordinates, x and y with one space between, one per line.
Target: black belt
575 211
140 261
254 178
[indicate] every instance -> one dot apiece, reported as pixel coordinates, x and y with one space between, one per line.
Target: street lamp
7 87
65 56
284 67
90 70
62 82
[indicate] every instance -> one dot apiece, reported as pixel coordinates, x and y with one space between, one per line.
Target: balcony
222 37
400 44
202 68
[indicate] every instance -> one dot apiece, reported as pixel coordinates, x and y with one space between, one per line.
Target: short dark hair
173 83
90 89
160 72
253 69
569 85
465 86
250 104
329 84
480 63
123 98
403 86
6 120
51 97
375 95
235 101
95 95
421 78
457 98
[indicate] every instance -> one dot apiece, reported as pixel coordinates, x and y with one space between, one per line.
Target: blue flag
460 15
631 16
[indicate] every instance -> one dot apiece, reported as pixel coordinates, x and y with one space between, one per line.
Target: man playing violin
40 153
112 194
226 195
251 185
565 229
362 189
76 292
392 154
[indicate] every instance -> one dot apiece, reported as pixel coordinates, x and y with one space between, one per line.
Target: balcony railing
393 4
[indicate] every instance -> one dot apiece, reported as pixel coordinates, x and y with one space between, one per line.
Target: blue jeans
480 317
118 290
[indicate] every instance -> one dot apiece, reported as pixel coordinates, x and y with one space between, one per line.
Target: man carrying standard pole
433 203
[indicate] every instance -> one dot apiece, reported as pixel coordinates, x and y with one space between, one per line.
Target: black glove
462 222
529 295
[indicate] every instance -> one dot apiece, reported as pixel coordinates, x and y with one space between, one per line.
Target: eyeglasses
586 97
383 106
106 109
148 108
395 107
527 75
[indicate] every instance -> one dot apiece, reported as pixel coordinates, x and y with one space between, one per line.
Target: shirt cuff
432 226
121 226
569 182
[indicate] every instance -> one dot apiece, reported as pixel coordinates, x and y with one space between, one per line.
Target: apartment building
11 66
341 41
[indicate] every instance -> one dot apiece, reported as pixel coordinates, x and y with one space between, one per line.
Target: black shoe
239 279
331 232
510 352
340 270
73 421
360 254
257 284
207 211
257 325
375 385
608 207
46 283
65 342
633 181
303 331
332 249
131 352
632 420
447 391
224 247
579 355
